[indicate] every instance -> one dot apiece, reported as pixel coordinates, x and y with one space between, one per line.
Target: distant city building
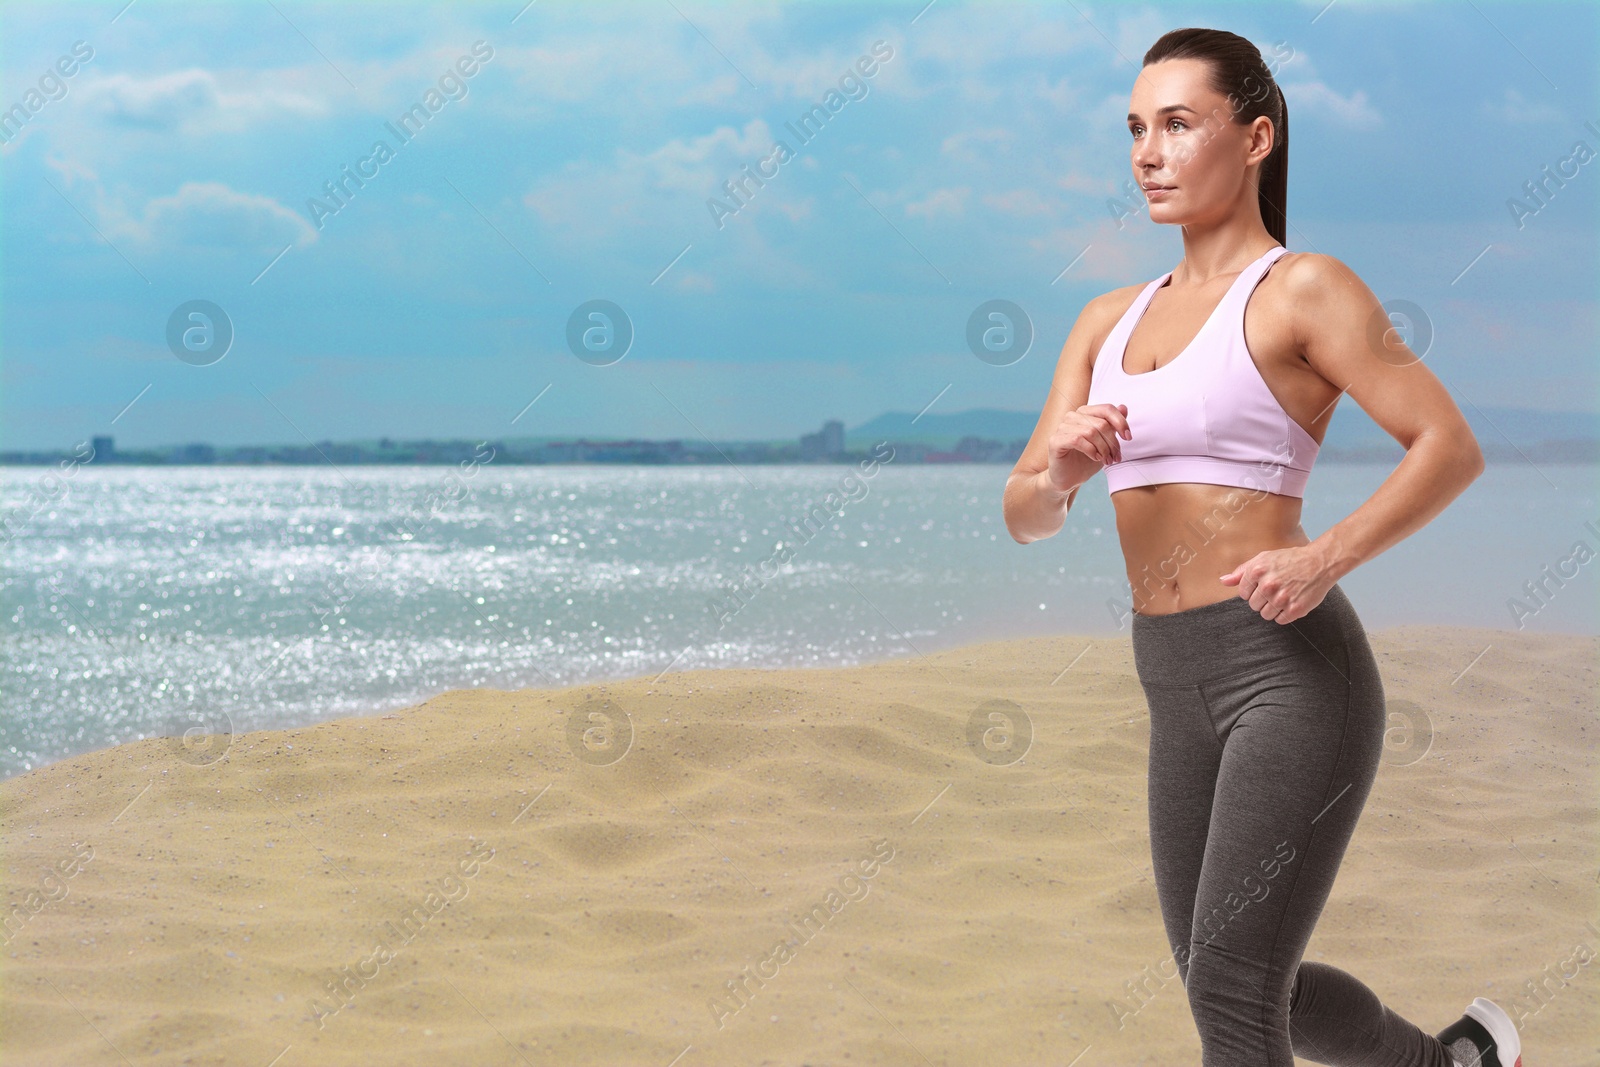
825 444
630 451
974 449
1579 443
195 453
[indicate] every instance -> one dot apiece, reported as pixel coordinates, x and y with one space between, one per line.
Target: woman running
1266 709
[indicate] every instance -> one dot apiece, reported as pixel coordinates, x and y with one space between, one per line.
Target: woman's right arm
1071 442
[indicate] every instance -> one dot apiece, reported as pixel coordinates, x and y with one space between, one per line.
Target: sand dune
884 873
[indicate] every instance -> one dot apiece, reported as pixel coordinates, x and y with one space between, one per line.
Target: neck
1226 249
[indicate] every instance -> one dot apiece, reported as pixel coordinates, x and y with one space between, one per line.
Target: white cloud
971 146
193 101
1062 94
1076 181
797 210
693 281
1103 253
1517 110
689 170
71 171
1317 98
1021 202
699 164
211 215
951 201
712 92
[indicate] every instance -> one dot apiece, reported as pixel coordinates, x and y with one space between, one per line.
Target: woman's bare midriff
1179 538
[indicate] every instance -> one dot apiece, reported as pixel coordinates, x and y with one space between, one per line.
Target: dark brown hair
1239 73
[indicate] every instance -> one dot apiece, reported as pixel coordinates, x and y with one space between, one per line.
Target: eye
1180 122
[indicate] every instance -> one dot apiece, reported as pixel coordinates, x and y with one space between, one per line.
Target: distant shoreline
646 454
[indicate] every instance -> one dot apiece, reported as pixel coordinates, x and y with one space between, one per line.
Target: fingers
1094 446
1108 427
1096 430
1110 443
1118 417
1108 448
1072 437
1111 426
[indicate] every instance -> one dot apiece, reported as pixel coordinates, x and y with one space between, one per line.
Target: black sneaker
1484 1037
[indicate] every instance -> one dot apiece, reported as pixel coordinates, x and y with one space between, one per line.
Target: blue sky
577 161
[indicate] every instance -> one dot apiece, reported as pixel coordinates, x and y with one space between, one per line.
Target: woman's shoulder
1311 290
1105 309
1303 273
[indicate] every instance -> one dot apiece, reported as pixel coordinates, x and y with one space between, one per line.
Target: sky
174 268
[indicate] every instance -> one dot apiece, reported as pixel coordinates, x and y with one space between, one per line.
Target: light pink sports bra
1206 416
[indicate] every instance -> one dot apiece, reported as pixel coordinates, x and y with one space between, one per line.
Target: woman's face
1185 138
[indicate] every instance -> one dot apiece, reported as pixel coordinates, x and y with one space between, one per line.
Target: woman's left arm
1348 338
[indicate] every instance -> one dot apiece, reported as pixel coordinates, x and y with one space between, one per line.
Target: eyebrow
1165 110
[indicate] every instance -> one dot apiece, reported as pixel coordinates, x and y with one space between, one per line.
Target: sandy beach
770 867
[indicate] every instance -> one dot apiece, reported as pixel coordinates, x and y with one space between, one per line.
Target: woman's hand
1084 441
1283 584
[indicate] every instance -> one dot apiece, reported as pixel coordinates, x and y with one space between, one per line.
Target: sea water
142 600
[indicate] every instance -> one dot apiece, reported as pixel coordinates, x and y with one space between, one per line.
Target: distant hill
1351 428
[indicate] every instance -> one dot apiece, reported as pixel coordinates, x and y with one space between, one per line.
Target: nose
1145 155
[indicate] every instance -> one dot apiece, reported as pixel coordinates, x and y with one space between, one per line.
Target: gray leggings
1265 739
